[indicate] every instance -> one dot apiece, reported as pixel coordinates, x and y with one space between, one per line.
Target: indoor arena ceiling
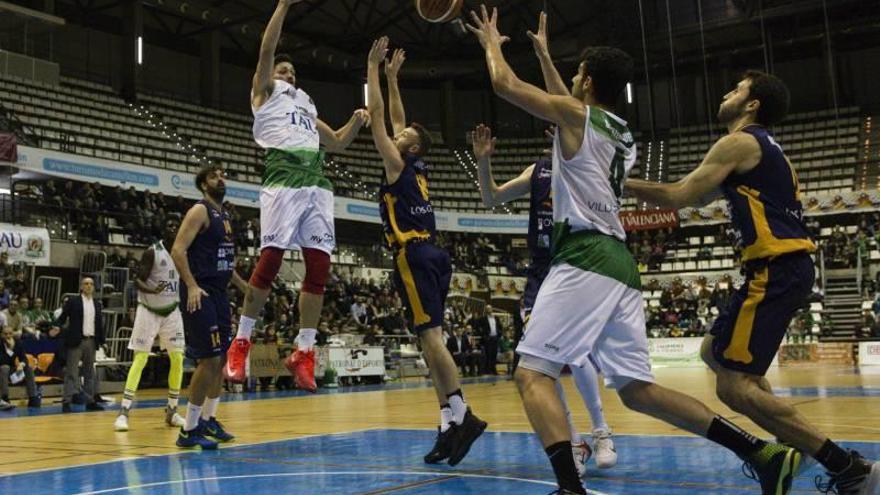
331 37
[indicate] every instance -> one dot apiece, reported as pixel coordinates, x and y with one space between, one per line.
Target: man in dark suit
81 338
489 329
461 348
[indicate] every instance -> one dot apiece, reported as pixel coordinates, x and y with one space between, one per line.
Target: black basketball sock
563 465
834 458
727 434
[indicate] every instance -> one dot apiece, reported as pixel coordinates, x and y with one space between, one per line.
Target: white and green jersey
587 189
163 274
286 125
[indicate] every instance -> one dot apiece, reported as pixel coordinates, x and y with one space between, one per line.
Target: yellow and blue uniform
422 269
211 257
768 216
540 230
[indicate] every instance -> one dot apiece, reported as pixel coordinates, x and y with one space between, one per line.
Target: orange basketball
438 10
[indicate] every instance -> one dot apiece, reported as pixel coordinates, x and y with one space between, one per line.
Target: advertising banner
174 183
648 219
869 353
351 361
681 352
25 244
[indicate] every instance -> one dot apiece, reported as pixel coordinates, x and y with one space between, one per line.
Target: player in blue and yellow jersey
204 254
422 269
753 173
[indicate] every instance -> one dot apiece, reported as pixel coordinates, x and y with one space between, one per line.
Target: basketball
438 10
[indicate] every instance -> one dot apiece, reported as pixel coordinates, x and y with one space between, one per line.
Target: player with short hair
422 269
296 199
534 182
204 254
590 306
158 314
755 176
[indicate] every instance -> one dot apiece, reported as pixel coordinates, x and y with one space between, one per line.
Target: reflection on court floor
390 461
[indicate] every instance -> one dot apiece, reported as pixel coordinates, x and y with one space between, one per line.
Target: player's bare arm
145 266
736 153
567 112
391 158
491 193
552 80
195 221
339 139
263 80
395 102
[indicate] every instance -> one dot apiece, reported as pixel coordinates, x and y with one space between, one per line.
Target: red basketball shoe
301 365
236 358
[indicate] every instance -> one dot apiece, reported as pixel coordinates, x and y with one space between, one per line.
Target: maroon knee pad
317 270
267 268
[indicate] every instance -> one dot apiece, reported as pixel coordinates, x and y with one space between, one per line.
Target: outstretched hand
362 116
483 142
392 67
539 39
378 52
485 27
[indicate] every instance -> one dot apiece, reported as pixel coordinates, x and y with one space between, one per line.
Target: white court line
183 452
323 473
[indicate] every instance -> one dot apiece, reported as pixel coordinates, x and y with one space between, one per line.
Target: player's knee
638 395
267 268
317 270
706 353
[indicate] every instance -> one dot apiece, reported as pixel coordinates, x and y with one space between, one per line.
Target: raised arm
559 109
339 139
263 80
737 152
552 80
395 102
491 193
195 220
391 158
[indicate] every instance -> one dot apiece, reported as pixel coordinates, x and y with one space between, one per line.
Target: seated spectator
18 286
5 268
14 361
460 346
4 294
14 321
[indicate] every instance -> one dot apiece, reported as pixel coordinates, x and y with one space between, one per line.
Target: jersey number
617 174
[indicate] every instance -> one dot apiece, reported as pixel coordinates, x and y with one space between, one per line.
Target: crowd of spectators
87 209
686 309
649 247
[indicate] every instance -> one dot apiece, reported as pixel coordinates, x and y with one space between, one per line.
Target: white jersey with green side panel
587 189
286 125
163 274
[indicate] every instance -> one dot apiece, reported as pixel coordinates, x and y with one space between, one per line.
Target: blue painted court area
390 461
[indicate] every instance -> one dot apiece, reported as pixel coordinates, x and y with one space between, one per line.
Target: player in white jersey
157 315
534 181
590 305
296 199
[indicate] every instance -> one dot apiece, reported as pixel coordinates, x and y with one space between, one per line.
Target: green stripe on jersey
595 252
295 168
610 127
161 310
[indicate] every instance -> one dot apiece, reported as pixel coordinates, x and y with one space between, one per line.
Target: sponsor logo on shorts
269 238
319 239
552 347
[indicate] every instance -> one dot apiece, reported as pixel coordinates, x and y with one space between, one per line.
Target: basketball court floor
370 440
